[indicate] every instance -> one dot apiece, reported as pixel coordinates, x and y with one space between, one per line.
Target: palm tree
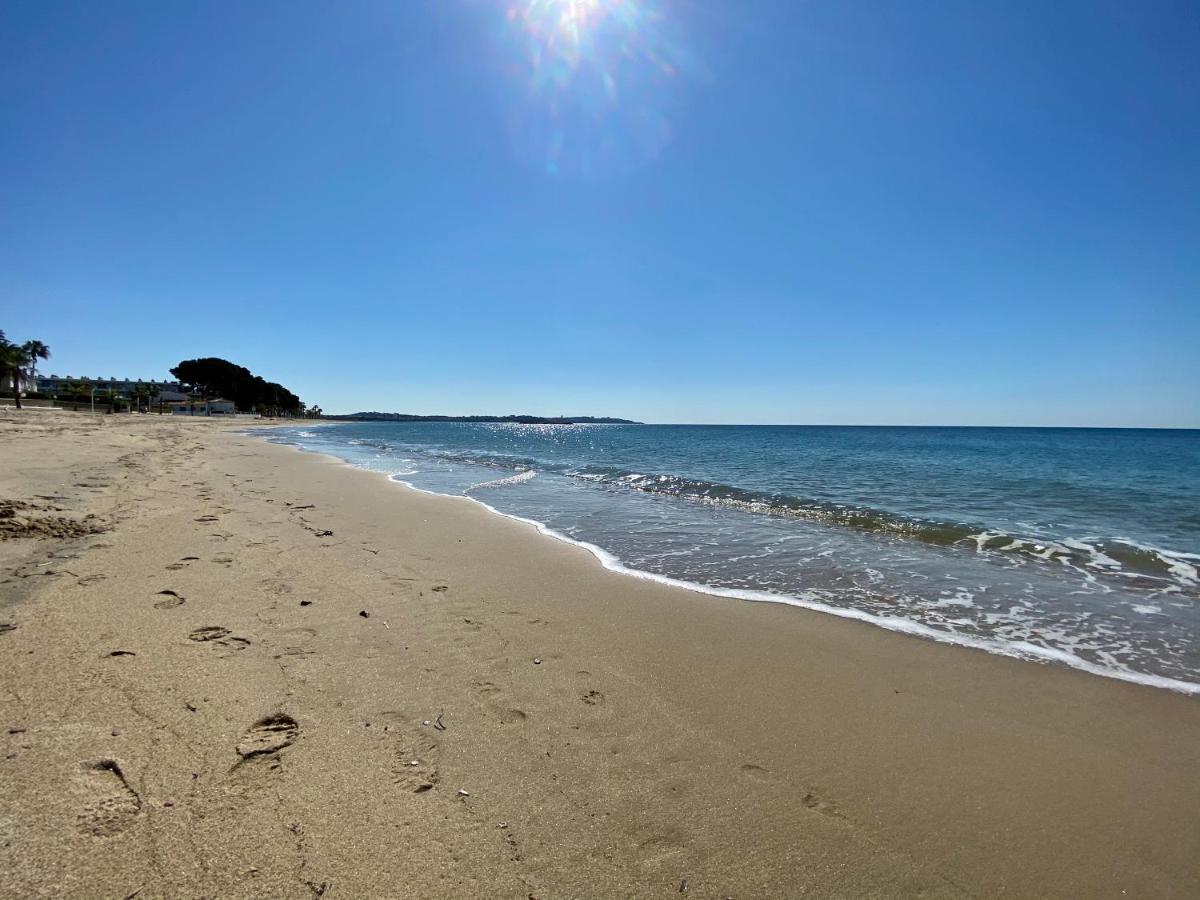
12 363
35 350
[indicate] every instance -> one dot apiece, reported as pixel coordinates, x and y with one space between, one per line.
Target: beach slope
231 669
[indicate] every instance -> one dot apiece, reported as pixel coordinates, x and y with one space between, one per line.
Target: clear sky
685 211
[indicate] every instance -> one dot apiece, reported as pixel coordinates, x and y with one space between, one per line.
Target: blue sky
876 212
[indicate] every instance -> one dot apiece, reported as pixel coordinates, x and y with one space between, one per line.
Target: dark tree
35 350
12 364
213 377
14 359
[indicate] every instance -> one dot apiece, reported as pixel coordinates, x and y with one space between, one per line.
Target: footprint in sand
486 688
268 736
658 848
277 585
113 805
298 639
415 768
170 600
218 636
296 652
755 772
208 633
820 804
494 702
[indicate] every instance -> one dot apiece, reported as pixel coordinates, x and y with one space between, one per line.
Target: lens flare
600 82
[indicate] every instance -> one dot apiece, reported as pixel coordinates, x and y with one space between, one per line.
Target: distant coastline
521 420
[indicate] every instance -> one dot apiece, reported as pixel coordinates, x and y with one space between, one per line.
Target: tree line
212 377
209 377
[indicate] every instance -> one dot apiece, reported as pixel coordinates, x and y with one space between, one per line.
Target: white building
56 384
203 408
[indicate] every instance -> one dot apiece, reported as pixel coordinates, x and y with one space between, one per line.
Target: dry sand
194 705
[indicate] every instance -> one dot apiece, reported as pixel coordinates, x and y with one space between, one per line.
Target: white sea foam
983 537
1014 648
961 597
503 482
1180 565
1098 556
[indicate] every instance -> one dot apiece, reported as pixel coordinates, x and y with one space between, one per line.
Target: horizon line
773 424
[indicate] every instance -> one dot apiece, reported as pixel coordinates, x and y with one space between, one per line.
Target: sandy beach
231 669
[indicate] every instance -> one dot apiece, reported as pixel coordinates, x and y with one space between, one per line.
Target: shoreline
195 704
1013 650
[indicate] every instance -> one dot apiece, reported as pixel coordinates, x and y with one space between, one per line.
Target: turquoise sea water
1076 546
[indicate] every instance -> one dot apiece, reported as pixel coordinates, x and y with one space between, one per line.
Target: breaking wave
503 482
1115 557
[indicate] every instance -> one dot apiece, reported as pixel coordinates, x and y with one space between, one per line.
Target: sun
600 81
574 16
577 18
570 29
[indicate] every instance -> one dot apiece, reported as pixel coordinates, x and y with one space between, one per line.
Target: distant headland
521 420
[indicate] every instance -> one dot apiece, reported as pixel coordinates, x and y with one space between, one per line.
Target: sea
1076 547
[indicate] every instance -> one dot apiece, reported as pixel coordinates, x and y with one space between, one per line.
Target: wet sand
260 673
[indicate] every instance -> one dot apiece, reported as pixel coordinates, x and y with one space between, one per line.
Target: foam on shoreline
1016 650
1024 650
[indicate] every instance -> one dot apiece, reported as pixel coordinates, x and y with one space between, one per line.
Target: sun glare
600 81
563 25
